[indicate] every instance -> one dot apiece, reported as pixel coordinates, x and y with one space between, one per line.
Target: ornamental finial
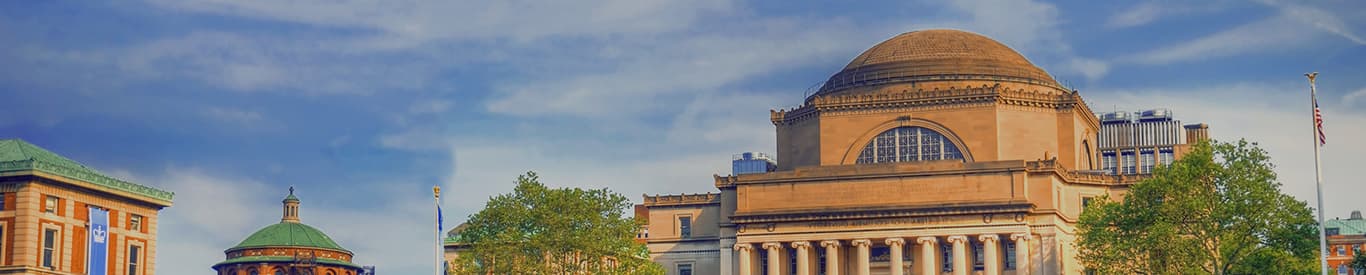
291 190
1312 76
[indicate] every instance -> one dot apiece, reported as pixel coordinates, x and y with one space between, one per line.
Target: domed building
288 248
933 152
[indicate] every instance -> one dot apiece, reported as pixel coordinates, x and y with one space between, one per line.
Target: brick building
46 225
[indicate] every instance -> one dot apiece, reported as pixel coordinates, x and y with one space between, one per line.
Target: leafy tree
541 230
1358 261
1217 210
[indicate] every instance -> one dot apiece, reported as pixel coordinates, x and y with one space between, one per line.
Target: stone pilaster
929 253
804 266
991 254
960 254
832 257
775 258
896 246
1021 253
746 258
863 263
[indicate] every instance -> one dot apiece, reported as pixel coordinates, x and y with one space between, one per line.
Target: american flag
1318 123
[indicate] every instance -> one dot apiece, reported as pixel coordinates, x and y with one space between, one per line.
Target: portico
929 262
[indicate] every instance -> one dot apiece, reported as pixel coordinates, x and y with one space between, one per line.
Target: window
134 254
253 272
946 253
49 247
684 227
279 272
1166 155
1010 256
50 204
684 269
1342 250
906 144
977 259
2 201
1107 162
135 222
1148 160
1086 202
1342 269
1128 157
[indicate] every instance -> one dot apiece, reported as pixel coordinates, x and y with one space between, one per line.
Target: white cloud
235 116
1279 121
647 75
1137 15
1354 99
1292 27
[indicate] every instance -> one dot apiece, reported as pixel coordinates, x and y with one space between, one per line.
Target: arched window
279 272
253 272
906 144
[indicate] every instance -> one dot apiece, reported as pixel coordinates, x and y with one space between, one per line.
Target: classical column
1021 253
803 257
929 249
862 263
832 257
895 245
991 249
746 258
960 254
775 258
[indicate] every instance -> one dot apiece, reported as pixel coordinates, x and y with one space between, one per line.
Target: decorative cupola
291 210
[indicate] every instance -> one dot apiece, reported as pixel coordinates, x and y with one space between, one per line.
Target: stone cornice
1080 177
889 212
95 180
1049 98
682 199
866 171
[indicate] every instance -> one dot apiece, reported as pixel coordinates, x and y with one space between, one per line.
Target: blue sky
363 105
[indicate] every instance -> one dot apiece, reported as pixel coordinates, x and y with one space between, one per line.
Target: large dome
289 234
934 55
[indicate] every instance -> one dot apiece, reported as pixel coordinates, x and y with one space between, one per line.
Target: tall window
977 249
50 204
1108 162
946 253
1166 155
1148 160
905 144
684 269
134 255
135 222
1342 250
1128 157
49 247
1010 256
685 227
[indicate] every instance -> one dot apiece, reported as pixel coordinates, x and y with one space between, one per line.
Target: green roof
17 155
289 234
267 259
1347 226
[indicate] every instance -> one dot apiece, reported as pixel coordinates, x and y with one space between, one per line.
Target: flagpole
436 199
1318 173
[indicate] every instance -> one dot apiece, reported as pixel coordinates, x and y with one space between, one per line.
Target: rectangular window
135 222
1342 250
1129 165
1010 256
1356 248
977 258
1148 161
684 269
1108 162
1167 155
685 227
1086 202
946 253
49 247
50 204
2 201
134 254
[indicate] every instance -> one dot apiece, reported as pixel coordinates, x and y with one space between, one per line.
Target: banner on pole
98 242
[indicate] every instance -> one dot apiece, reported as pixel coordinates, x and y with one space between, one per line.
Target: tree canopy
1217 210
542 230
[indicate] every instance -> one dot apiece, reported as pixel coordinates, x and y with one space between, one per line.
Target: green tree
1217 210
1358 261
541 230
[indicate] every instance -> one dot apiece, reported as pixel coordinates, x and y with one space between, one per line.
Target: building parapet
682 199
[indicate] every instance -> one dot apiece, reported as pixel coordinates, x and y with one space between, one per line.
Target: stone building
46 205
288 248
934 152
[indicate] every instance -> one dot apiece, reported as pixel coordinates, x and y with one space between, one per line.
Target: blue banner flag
99 241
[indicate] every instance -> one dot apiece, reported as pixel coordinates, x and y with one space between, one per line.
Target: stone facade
984 164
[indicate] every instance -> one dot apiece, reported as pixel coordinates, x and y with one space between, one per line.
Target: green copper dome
289 234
